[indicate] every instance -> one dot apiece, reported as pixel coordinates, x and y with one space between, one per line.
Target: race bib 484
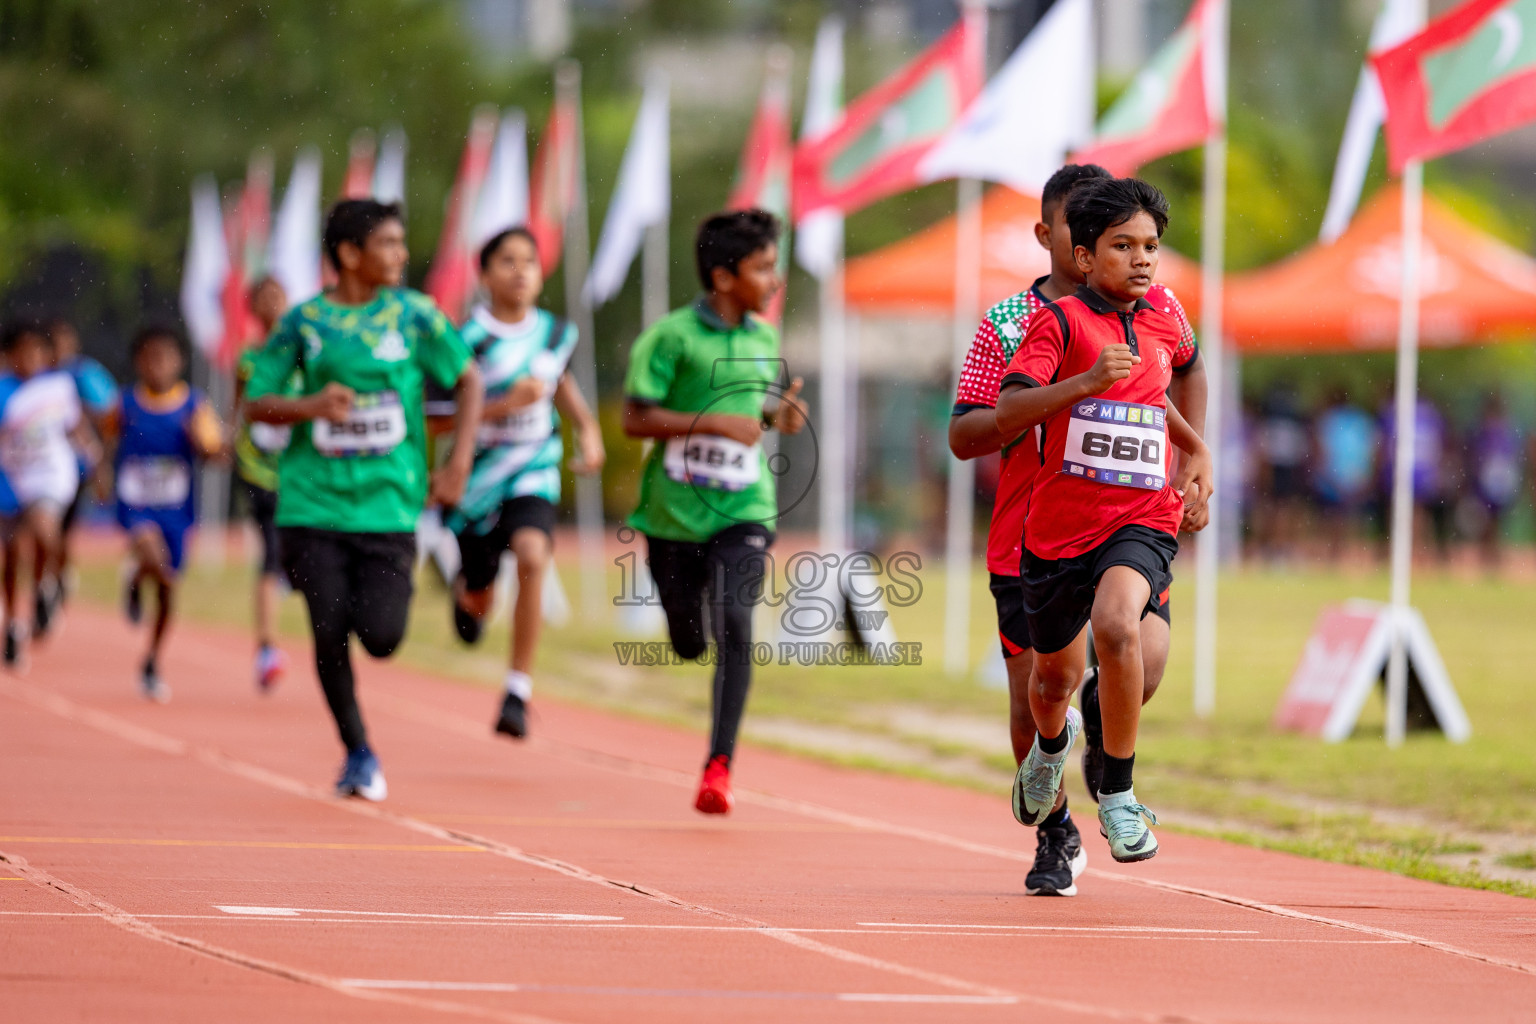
1118 443
718 463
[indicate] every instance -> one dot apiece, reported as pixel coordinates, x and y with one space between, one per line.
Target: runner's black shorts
1058 593
1012 624
480 553
264 512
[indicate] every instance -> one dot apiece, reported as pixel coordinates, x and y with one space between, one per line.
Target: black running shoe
1093 733
44 602
1059 859
514 717
15 648
133 605
467 625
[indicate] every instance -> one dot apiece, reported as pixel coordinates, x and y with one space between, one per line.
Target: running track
185 863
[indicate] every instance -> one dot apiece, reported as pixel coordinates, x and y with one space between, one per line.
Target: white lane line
1110 928
675 993
640 769
500 915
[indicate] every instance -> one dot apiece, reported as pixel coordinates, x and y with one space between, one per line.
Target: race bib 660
1118 443
375 425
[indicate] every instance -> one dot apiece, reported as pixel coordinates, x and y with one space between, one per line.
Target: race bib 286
1118 443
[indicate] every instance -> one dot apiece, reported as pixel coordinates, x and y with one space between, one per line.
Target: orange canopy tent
1343 296
917 274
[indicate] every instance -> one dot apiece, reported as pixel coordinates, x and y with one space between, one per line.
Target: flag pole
961 504
1403 458
589 489
1213 237
832 452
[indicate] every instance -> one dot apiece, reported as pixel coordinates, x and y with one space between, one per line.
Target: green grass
1262 787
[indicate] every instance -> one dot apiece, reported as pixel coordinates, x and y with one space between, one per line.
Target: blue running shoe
362 777
1123 822
1039 778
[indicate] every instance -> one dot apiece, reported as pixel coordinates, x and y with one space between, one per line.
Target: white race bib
154 482
715 462
270 437
375 425
524 425
1117 443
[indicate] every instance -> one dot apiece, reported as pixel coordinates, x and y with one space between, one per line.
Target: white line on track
500 915
683 993
1111 928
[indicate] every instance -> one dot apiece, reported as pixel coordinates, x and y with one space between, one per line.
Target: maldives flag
1174 103
874 149
767 161
553 190
1469 75
451 278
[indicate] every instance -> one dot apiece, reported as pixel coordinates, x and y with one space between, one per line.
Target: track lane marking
685 993
253 844
240 909
74 711
114 915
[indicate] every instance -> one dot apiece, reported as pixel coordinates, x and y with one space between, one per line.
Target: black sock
1055 745
1058 818
1117 774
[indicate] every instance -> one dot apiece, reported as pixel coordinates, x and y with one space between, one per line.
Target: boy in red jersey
973 433
1102 526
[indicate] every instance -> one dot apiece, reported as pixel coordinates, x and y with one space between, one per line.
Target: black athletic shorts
264 511
1012 625
480 553
1058 594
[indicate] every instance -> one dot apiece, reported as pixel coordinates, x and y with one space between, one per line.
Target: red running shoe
715 791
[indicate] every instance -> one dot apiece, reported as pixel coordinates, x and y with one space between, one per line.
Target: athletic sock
1055 744
520 684
1117 774
1059 818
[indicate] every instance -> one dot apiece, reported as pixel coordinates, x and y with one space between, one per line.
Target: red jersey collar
1096 302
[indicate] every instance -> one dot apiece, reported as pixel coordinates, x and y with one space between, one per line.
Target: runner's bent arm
973 423
1194 481
646 419
589 434
469 403
1188 392
525 392
1020 406
973 433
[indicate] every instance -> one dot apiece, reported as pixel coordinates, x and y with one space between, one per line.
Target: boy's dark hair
17 329
152 333
353 220
725 239
489 248
1064 180
1098 204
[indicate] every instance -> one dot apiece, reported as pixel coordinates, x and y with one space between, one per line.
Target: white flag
389 167
503 201
1036 110
642 198
819 237
293 255
1397 21
205 268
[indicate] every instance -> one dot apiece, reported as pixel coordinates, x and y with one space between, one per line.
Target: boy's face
380 262
755 281
66 343
513 275
31 355
158 364
1123 263
1056 238
269 303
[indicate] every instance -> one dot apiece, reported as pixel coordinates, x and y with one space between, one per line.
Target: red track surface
568 879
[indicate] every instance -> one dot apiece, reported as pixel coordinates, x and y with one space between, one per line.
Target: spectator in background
1494 462
1347 442
1282 444
1432 477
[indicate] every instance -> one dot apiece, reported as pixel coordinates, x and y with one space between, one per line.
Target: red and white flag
555 186
1174 103
451 278
875 149
767 161
246 224
358 184
205 268
1468 76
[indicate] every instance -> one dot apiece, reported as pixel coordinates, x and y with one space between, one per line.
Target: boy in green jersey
509 504
257 447
696 386
353 478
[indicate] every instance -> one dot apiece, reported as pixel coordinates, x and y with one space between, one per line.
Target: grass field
1462 814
